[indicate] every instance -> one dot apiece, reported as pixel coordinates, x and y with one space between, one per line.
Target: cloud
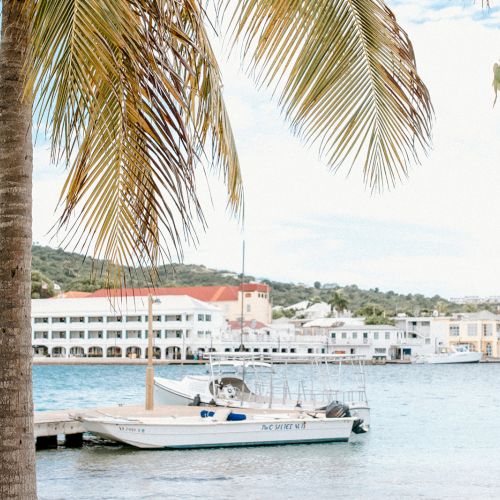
438 232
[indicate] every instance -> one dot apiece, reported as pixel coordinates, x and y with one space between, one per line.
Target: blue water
434 434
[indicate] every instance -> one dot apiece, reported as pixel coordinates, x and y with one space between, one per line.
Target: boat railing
282 393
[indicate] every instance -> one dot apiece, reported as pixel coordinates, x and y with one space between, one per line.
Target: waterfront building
423 328
185 327
100 327
254 297
480 331
351 336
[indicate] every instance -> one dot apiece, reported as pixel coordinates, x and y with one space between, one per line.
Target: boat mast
242 347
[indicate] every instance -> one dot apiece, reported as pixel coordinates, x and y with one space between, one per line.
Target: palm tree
131 94
338 302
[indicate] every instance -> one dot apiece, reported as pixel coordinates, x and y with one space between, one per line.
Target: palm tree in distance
131 95
338 302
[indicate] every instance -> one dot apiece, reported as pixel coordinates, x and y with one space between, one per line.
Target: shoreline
160 362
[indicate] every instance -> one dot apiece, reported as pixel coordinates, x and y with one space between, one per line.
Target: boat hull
469 357
208 434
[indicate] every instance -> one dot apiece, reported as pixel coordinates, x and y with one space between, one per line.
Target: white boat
244 382
176 427
451 355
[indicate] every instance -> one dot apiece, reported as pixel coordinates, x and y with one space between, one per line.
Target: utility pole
150 370
242 347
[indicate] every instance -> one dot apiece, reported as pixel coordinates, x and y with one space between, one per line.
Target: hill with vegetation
72 271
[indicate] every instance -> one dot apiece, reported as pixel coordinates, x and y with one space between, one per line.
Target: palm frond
116 84
347 78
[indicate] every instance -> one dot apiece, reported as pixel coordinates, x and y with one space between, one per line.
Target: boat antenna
242 347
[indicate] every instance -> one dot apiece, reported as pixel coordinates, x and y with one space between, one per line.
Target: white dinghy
246 380
192 427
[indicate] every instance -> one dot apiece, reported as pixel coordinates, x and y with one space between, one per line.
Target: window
471 329
59 320
157 334
156 318
95 334
113 319
175 317
380 350
375 335
41 335
173 334
487 330
201 334
365 335
454 330
354 335
208 317
58 335
134 319
77 319
77 335
41 320
201 317
387 335
96 319
333 335
248 295
427 340
114 334
249 308
344 335
134 334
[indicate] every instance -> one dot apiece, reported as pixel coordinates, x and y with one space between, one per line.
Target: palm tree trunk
17 445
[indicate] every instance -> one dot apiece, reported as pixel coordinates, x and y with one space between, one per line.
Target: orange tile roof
73 295
223 293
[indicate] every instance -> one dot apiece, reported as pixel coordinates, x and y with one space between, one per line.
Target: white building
184 327
98 327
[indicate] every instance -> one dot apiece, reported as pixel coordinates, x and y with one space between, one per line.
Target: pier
48 425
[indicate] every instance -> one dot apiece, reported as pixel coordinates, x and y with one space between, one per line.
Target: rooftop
223 293
101 305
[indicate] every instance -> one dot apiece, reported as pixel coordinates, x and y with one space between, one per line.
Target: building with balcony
480 331
100 327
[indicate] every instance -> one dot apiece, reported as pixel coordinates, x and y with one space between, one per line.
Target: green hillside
71 271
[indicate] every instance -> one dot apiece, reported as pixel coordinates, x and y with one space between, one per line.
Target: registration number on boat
131 429
284 427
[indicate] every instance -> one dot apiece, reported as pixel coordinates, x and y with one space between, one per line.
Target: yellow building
480 331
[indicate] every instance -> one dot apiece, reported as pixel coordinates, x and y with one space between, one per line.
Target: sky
436 233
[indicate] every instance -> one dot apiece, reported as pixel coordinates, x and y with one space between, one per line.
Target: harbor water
434 434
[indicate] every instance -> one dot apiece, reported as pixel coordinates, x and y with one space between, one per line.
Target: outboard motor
337 410
358 426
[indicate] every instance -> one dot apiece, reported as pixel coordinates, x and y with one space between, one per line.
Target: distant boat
457 354
188 427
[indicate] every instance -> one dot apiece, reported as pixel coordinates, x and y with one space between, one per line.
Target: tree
378 320
338 302
315 299
317 285
41 286
132 94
